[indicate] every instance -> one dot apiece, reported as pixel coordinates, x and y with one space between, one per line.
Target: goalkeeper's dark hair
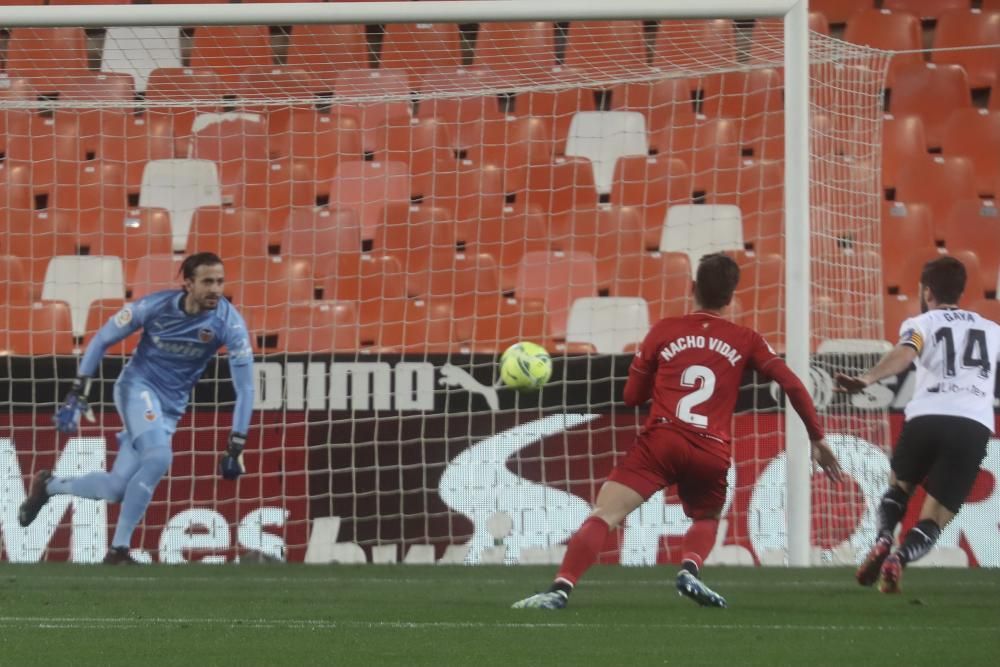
945 277
191 263
716 280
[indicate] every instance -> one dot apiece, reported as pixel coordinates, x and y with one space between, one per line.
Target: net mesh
395 206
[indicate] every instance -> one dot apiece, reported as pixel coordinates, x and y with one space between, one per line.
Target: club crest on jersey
123 317
149 415
205 335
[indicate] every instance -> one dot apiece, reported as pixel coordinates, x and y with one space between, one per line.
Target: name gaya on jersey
176 347
956 357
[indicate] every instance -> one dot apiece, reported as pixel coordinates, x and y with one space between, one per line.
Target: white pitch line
305 624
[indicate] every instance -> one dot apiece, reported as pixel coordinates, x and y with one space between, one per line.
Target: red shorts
662 456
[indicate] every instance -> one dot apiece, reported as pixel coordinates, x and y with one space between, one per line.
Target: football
525 366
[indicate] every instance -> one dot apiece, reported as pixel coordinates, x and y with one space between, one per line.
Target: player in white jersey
948 421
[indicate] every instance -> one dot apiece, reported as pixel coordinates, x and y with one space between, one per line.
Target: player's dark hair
192 262
945 277
716 280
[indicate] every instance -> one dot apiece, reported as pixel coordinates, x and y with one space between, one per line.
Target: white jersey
956 364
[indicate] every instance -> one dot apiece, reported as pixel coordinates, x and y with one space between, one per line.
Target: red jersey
695 364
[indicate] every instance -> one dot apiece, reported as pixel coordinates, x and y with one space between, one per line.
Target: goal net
396 205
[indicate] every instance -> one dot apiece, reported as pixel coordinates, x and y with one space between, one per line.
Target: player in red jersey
691 368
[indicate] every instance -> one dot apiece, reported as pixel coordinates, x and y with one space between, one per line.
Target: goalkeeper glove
67 417
231 465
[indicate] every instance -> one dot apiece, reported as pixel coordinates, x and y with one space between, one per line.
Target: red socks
699 540
583 549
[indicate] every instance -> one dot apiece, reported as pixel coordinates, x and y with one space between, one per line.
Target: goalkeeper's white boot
691 586
547 600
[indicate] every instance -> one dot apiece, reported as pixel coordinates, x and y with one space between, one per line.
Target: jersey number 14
974 355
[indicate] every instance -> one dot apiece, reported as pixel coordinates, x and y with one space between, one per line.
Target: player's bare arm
894 362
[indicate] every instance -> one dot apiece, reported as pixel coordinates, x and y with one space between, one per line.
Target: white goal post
798 239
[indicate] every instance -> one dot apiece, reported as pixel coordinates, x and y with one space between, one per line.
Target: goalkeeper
182 329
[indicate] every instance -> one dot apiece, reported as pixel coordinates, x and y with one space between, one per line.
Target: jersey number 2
704 379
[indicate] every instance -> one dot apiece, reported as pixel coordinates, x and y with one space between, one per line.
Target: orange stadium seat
419 47
927 9
609 47
906 228
98 86
559 279
98 187
556 108
975 134
663 279
414 326
367 186
988 308
226 50
757 188
406 226
462 116
932 92
524 50
238 147
39 236
493 323
476 193
566 183
51 148
966 28
889 31
15 281
131 235
975 225
688 45
761 277
898 309
510 143
47 56
839 11
392 85
325 50
937 181
664 103
98 314
418 142
321 140
257 86
742 95
154 273
288 183
612 235
903 141
507 238
320 233
652 184
709 148
40 328
228 232
442 273
256 283
184 86
318 326
362 277
129 140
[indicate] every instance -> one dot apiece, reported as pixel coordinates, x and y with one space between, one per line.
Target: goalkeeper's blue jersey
176 347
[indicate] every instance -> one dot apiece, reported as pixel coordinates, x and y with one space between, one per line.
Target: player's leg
954 470
702 490
636 478
100 485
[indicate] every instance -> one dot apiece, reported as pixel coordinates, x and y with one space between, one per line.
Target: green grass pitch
298 615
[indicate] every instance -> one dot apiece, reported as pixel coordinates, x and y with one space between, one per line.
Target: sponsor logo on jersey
123 317
205 335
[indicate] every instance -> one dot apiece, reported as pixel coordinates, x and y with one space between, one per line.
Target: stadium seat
38 236
41 328
320 233
974 224
391 87
463 116
906 228
236 143
761 279
975 286
363 278
180 187
81 280
710 147
419 47
154 273
50 147
556 108
511 143
321 140
421 143
476 193
757 188
188 92
664 103
228 232
525 51
98 187
46 56
689 45
411 326
661 279
558 279
566 183
138 51
325 50
100 311
932 92
610 48
604 136
226 50
767 37
959 29
15 281
608 323
258 87
903 141
315 327
742 94
898 309
492 323
988 308
927 9
839 11
368 186
937 181
889 31
131 235
701 229
289 183
652 184
975 134
121 138
507 238
406 226
258 283
613 235
441 273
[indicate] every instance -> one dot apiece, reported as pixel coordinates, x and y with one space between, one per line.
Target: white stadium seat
605 136
701 229
180 187
79 281
608 323
138 51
